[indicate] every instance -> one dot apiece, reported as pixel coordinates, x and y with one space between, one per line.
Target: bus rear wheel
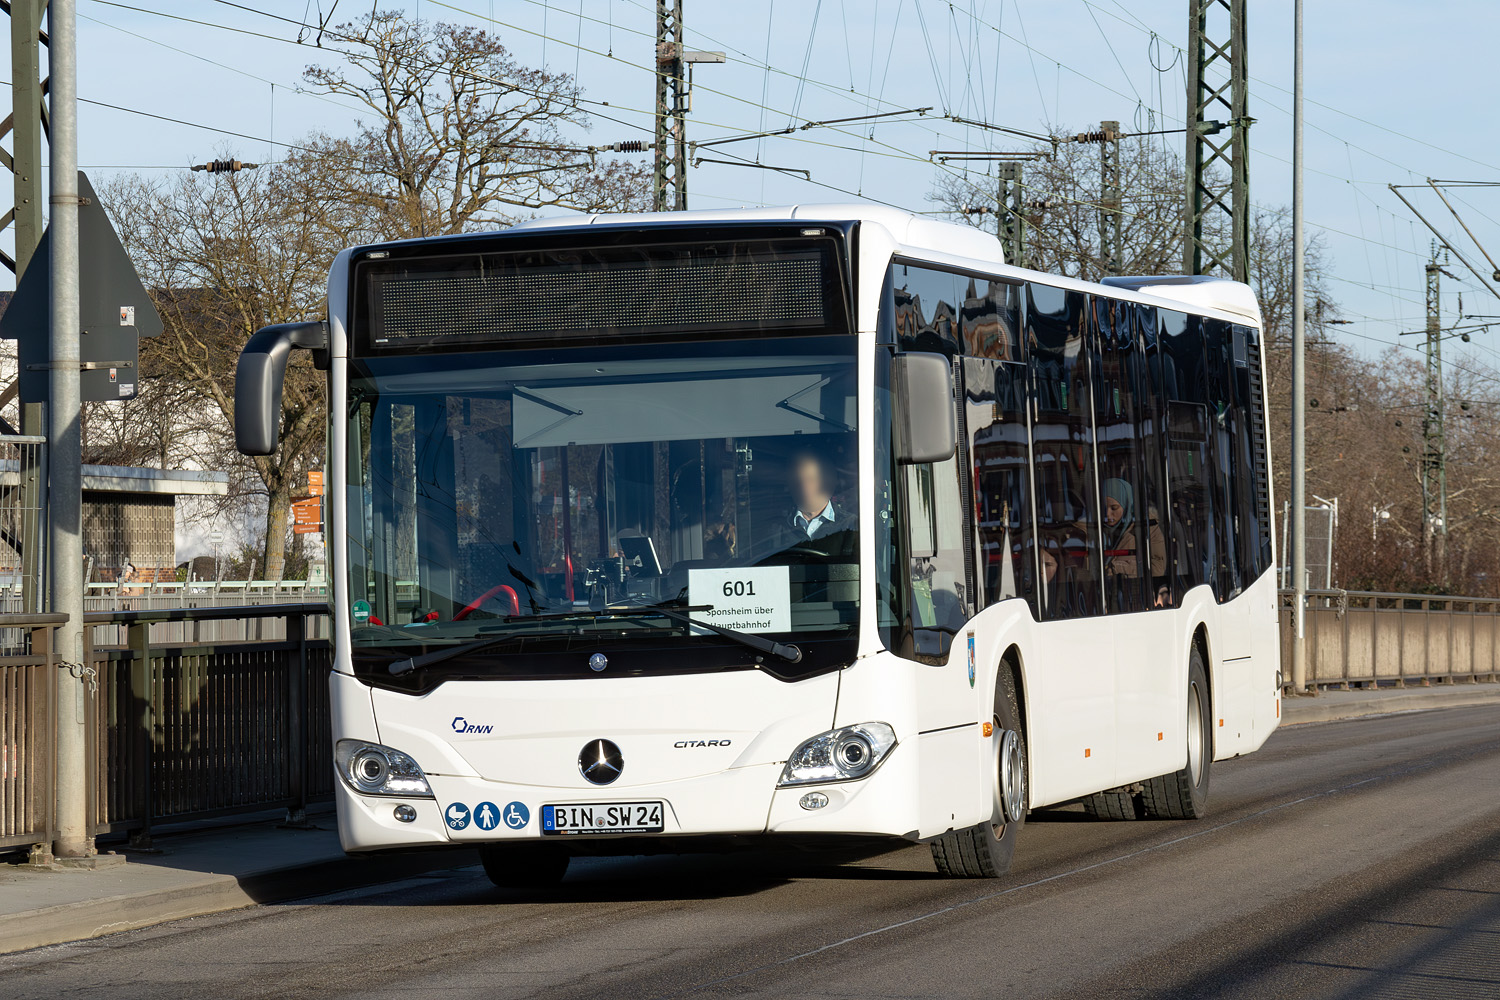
524 866
985 849
1114 804
1184 794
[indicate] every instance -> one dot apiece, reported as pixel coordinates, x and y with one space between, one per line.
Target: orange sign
307 516
315 482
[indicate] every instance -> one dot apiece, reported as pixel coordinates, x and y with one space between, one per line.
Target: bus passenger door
1073 682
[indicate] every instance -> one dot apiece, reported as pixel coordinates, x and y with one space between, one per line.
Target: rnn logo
462 725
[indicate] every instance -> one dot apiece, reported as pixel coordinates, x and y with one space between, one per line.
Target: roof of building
176 482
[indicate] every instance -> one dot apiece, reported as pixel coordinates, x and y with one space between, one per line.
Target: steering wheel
806 550
499 588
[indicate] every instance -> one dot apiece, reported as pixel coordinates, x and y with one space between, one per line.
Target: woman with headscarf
1120 533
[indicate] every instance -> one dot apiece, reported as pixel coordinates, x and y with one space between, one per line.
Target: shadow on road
668 877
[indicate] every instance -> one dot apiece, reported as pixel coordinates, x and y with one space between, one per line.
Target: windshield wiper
760 644
411 663
785 651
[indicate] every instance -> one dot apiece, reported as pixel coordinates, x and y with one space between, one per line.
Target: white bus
684 532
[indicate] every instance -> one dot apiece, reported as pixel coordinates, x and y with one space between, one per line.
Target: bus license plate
603 817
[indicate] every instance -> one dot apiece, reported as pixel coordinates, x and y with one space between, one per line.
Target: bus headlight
372 769
839 754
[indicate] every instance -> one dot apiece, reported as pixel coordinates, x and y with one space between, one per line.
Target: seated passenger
1120 556
719 542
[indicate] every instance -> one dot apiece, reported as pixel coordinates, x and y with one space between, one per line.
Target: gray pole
1299 376
64 493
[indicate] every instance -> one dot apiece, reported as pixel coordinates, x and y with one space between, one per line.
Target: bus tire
524 865
985 849
1184 794
1114 804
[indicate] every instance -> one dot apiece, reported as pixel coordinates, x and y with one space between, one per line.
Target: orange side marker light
1158 737
989 729
1087 752
1221 723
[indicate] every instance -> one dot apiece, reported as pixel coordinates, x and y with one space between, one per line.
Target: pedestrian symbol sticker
517 815
486 816
457 816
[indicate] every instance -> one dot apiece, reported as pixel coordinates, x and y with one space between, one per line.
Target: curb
1332 707
212 894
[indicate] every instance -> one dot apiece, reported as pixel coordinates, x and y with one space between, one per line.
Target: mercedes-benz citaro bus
682 532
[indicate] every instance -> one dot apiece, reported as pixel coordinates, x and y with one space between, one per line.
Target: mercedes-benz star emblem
598 662
601 762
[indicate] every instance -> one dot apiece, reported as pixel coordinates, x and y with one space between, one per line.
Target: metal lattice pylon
1218 169
669 183
1434 438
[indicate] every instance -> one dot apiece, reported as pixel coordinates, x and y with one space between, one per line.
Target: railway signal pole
1109 197
674 99
1434 439
1110 202
1010 213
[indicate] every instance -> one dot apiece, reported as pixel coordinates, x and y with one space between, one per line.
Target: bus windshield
515 492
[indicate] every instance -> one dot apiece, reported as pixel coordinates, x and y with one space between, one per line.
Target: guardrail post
43 723
143 729
296 720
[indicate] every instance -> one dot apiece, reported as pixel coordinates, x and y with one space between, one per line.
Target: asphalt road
1349 859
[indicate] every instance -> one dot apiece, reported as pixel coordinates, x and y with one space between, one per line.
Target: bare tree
459 135
224 255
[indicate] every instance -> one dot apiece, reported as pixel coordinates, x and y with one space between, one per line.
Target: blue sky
1398 98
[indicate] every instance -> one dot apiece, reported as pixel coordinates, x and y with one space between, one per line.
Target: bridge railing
1366 637
187 730
27 689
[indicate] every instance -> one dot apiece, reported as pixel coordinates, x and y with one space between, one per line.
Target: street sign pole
65 444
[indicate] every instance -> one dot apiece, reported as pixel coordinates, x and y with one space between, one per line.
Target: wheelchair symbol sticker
517 815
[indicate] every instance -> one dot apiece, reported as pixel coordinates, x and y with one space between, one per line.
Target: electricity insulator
224 166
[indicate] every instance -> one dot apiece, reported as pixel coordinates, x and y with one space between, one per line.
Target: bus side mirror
926 424
258 377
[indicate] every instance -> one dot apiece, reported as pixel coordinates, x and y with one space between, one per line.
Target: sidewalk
198 872
1328 706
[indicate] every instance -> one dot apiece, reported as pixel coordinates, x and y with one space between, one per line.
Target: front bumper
740 801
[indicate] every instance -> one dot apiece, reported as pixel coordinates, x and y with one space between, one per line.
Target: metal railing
23 472
1366 638
194 730
27 689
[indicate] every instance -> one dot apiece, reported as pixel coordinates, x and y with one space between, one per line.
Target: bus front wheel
524 866
985 849
1184 794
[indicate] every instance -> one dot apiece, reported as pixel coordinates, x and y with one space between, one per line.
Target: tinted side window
995 403
1251 462
1063 453
1226 415
1151 505
1130 546
927 309
1191 558
938 555
990 320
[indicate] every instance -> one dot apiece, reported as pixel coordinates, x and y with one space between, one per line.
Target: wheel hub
1195 734
1012 777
